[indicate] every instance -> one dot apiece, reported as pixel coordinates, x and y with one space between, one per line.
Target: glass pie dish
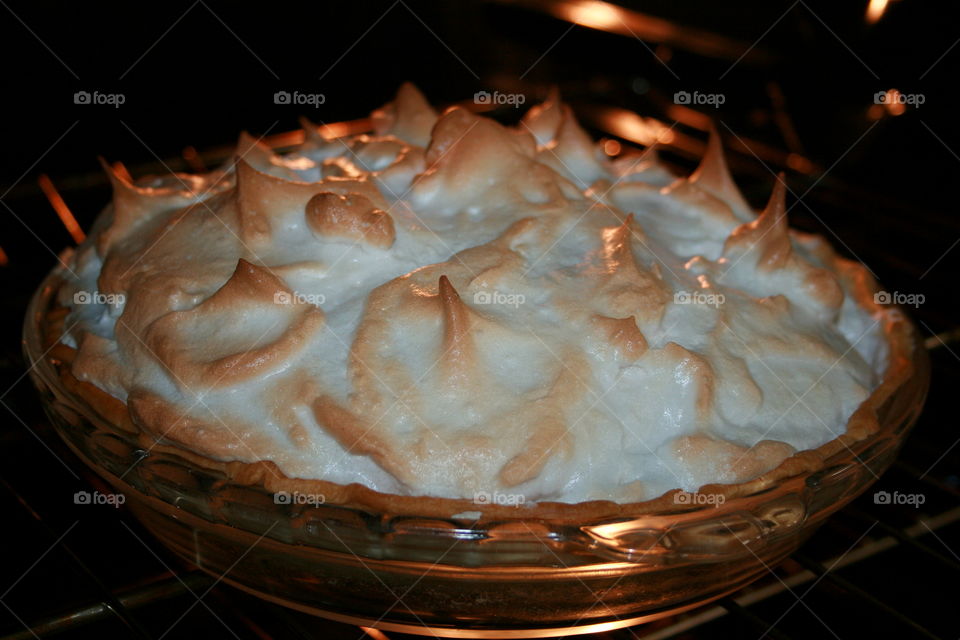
476 574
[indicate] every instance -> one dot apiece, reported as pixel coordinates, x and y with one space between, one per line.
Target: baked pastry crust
353 210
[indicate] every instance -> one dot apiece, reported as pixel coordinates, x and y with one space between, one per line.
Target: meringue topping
449 306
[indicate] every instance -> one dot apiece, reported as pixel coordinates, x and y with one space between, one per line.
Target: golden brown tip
352 216
457 346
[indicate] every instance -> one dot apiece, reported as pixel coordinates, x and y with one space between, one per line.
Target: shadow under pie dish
434 316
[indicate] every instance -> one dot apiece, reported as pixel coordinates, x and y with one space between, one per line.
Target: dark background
880 185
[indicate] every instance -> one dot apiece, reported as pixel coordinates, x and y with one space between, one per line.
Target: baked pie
448 308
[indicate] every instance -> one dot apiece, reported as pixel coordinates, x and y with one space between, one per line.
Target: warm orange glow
893 103
376 634
629 125
689 117
799 163
63 211
597 15
121 170
611 18
4 260
336 129
612 148
328 131
875 10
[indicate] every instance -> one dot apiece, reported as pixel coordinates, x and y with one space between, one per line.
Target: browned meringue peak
316 145
456 356
767 238
458 349
627 288
176 259
441 364
562 144
135 206
206 348
409 116
353 217
474 163
262 197
765 247
712 209
543 120
257 154
573 153
708 198
312 138
441 322
623 334
713 175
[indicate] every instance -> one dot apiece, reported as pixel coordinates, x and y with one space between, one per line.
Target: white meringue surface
449 306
